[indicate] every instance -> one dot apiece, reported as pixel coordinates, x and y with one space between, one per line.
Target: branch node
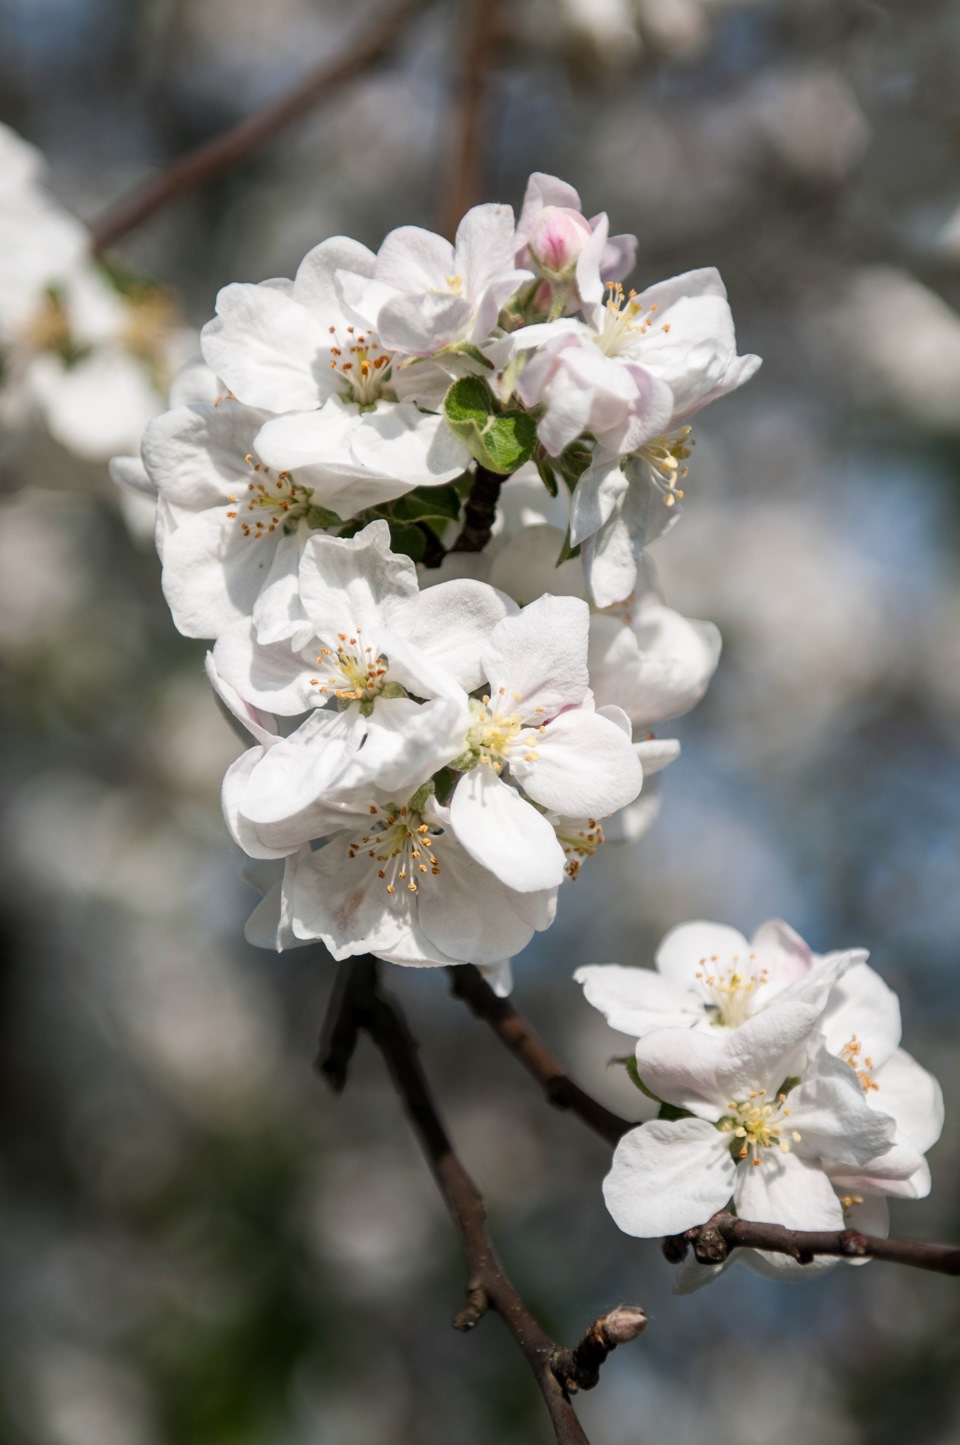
853 1244
478 1302
709 1245
579 1368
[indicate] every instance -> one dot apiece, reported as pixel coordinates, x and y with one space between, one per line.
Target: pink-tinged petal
315 285
569 407
700 947
863 1009
583 763
590 281
537 661
412 259
636 1000
831 1115
782 951
619 258
453 621
346 582
668 1177
912 1097
900 1171
267 348
504 833
542 190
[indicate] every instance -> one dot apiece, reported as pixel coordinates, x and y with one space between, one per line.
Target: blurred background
200 1246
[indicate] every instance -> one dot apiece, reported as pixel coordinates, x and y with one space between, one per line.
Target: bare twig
579 1368
468 983
480 511
483 33
557 1370
713 1241
353 990
224 151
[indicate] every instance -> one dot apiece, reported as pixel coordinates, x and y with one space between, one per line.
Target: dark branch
468 983
224 151
465 172
712 1243
480 511
488 1285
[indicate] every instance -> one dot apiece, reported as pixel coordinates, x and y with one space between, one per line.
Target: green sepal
407 539
318 516
671 1113
566 551
418 802
548 477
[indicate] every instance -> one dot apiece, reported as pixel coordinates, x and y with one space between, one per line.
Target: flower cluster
782 1085
441 728
88 350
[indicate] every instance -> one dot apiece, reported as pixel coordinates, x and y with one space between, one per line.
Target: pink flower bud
559 237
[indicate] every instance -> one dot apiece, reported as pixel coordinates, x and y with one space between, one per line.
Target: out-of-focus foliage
199 1247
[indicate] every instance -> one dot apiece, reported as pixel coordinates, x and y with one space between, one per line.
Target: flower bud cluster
782 1087
448 715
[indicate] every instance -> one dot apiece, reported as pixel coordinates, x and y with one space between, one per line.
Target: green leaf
407 539
501 441
425 504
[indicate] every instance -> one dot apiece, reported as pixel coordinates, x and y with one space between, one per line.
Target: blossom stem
467 983
713 1241
233 145
358 1005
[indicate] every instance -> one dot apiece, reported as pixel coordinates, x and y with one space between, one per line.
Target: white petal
542 655
451 623
668 1177
584 764
864 1006
346 582
470 914
504 833
637 1000
690 948
784 1189
831 1115
267 348
911 1096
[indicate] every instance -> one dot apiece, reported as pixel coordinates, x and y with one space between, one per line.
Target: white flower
437 295
709 978
393 880
756 1132
371 645
537 726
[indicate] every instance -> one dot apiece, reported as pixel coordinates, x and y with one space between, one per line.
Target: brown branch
468 983
464 182
556 1369
233 145
480 511
712 1243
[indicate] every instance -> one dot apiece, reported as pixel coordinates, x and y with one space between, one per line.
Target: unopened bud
623 1324
559 237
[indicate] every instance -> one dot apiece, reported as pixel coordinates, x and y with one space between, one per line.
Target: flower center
359 671
729 991
271 501
402 842
666 457
579 843
624 320
758 1125
361 364
495 734
860 1063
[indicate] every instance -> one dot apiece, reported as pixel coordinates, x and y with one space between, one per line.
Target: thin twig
468 983
556 1369
712 1243
233 145
464 182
